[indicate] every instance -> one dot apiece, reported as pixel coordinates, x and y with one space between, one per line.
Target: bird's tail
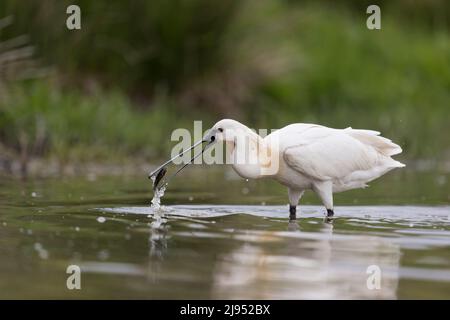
373 138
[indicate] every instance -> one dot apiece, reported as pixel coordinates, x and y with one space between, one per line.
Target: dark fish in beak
161 173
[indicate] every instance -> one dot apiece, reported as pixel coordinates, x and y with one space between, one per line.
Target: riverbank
53 168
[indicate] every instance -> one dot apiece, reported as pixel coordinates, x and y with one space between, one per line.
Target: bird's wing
323 153
293 130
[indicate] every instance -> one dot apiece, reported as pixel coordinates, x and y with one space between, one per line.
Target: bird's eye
220 130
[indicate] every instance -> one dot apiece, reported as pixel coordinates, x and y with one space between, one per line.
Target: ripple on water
308 258
373 214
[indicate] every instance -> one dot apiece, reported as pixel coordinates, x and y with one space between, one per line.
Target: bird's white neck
249 154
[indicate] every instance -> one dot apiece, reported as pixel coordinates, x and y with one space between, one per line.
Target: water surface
221 237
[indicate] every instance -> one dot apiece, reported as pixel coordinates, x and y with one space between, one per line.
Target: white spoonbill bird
304 156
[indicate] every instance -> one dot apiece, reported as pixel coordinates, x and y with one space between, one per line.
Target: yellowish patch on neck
264 155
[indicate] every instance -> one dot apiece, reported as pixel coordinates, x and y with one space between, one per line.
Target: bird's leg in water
324 190
292 212
294 197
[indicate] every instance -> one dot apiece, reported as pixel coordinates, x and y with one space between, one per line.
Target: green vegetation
64 124
136 71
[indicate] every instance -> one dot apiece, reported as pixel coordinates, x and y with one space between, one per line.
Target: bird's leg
324 190
294 197
292 212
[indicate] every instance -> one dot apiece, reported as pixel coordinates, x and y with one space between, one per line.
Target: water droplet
103 255
43 254
191 198
245 190
101 219
34 194
77 229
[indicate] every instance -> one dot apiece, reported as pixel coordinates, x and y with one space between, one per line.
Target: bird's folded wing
332 155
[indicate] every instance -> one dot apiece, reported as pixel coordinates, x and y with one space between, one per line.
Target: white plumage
311 156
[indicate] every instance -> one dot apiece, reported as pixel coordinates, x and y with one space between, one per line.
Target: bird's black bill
162 170
157 170
192 159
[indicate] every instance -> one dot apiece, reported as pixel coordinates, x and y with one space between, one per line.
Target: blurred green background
117 88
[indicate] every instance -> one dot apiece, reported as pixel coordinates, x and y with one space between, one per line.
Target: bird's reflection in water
306 265
328 220
293 225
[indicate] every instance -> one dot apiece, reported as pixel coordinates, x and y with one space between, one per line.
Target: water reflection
253 252
307 267
204 251
292 264
227 252
157 247
293 225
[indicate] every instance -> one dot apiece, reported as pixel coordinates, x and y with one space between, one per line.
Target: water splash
156 201
156 205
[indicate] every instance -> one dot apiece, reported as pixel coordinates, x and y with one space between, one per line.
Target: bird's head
225 130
